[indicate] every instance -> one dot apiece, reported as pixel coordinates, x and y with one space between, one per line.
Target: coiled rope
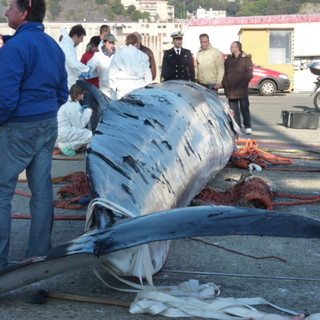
251 191
250 153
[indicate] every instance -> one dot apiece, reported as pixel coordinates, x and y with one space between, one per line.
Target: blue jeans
241 105
28 146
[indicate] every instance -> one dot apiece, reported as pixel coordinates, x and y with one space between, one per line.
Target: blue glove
84 201
85 106
87 75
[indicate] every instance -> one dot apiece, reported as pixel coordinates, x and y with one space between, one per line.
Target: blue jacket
33 78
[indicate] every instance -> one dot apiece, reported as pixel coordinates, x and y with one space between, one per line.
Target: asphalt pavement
293 284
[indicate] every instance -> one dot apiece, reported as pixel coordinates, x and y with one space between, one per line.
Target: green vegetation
137 15
114 9
131 9
54 8
71 15
110 15
241 8
270 7
118 9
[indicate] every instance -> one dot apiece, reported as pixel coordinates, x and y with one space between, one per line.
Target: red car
268 81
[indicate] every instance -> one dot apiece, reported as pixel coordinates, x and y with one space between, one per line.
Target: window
280 46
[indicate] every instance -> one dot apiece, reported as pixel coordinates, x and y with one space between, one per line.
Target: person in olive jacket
210 64
238 73
177 62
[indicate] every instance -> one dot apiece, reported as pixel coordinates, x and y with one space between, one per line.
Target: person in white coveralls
129 69
101 62
68 44
72 120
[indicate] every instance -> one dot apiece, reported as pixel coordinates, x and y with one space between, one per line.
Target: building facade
159 10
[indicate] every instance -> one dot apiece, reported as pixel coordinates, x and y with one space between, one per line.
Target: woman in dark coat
238 73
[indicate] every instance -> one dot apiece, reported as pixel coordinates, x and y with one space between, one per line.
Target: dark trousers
241 105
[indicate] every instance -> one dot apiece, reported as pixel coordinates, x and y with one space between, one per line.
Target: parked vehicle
268 81
315 69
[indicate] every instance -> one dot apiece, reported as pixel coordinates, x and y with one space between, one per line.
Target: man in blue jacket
33 85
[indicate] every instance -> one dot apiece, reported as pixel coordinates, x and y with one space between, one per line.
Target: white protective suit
129 70
72 133
73 66
101 63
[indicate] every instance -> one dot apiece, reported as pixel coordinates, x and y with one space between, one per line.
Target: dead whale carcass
154 151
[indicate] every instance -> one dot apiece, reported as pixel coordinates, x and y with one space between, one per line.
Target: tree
109 14
118 8
232 8
54 8
131 9
146 16
137 15
270 7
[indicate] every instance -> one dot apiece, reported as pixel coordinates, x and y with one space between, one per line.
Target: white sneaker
248 131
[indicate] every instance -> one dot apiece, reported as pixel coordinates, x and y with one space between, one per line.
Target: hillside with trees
113 10
85 10
247 7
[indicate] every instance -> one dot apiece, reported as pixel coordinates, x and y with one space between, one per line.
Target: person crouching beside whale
72 120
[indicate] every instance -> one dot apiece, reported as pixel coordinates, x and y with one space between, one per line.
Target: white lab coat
72 133
129 70
101 63
73 66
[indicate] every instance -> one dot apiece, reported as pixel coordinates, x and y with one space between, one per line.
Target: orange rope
252 154
254 191
294 203
70 195
67 217
23 193
301 199
69 159
280 169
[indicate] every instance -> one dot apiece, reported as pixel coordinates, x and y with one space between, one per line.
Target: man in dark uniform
177 62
